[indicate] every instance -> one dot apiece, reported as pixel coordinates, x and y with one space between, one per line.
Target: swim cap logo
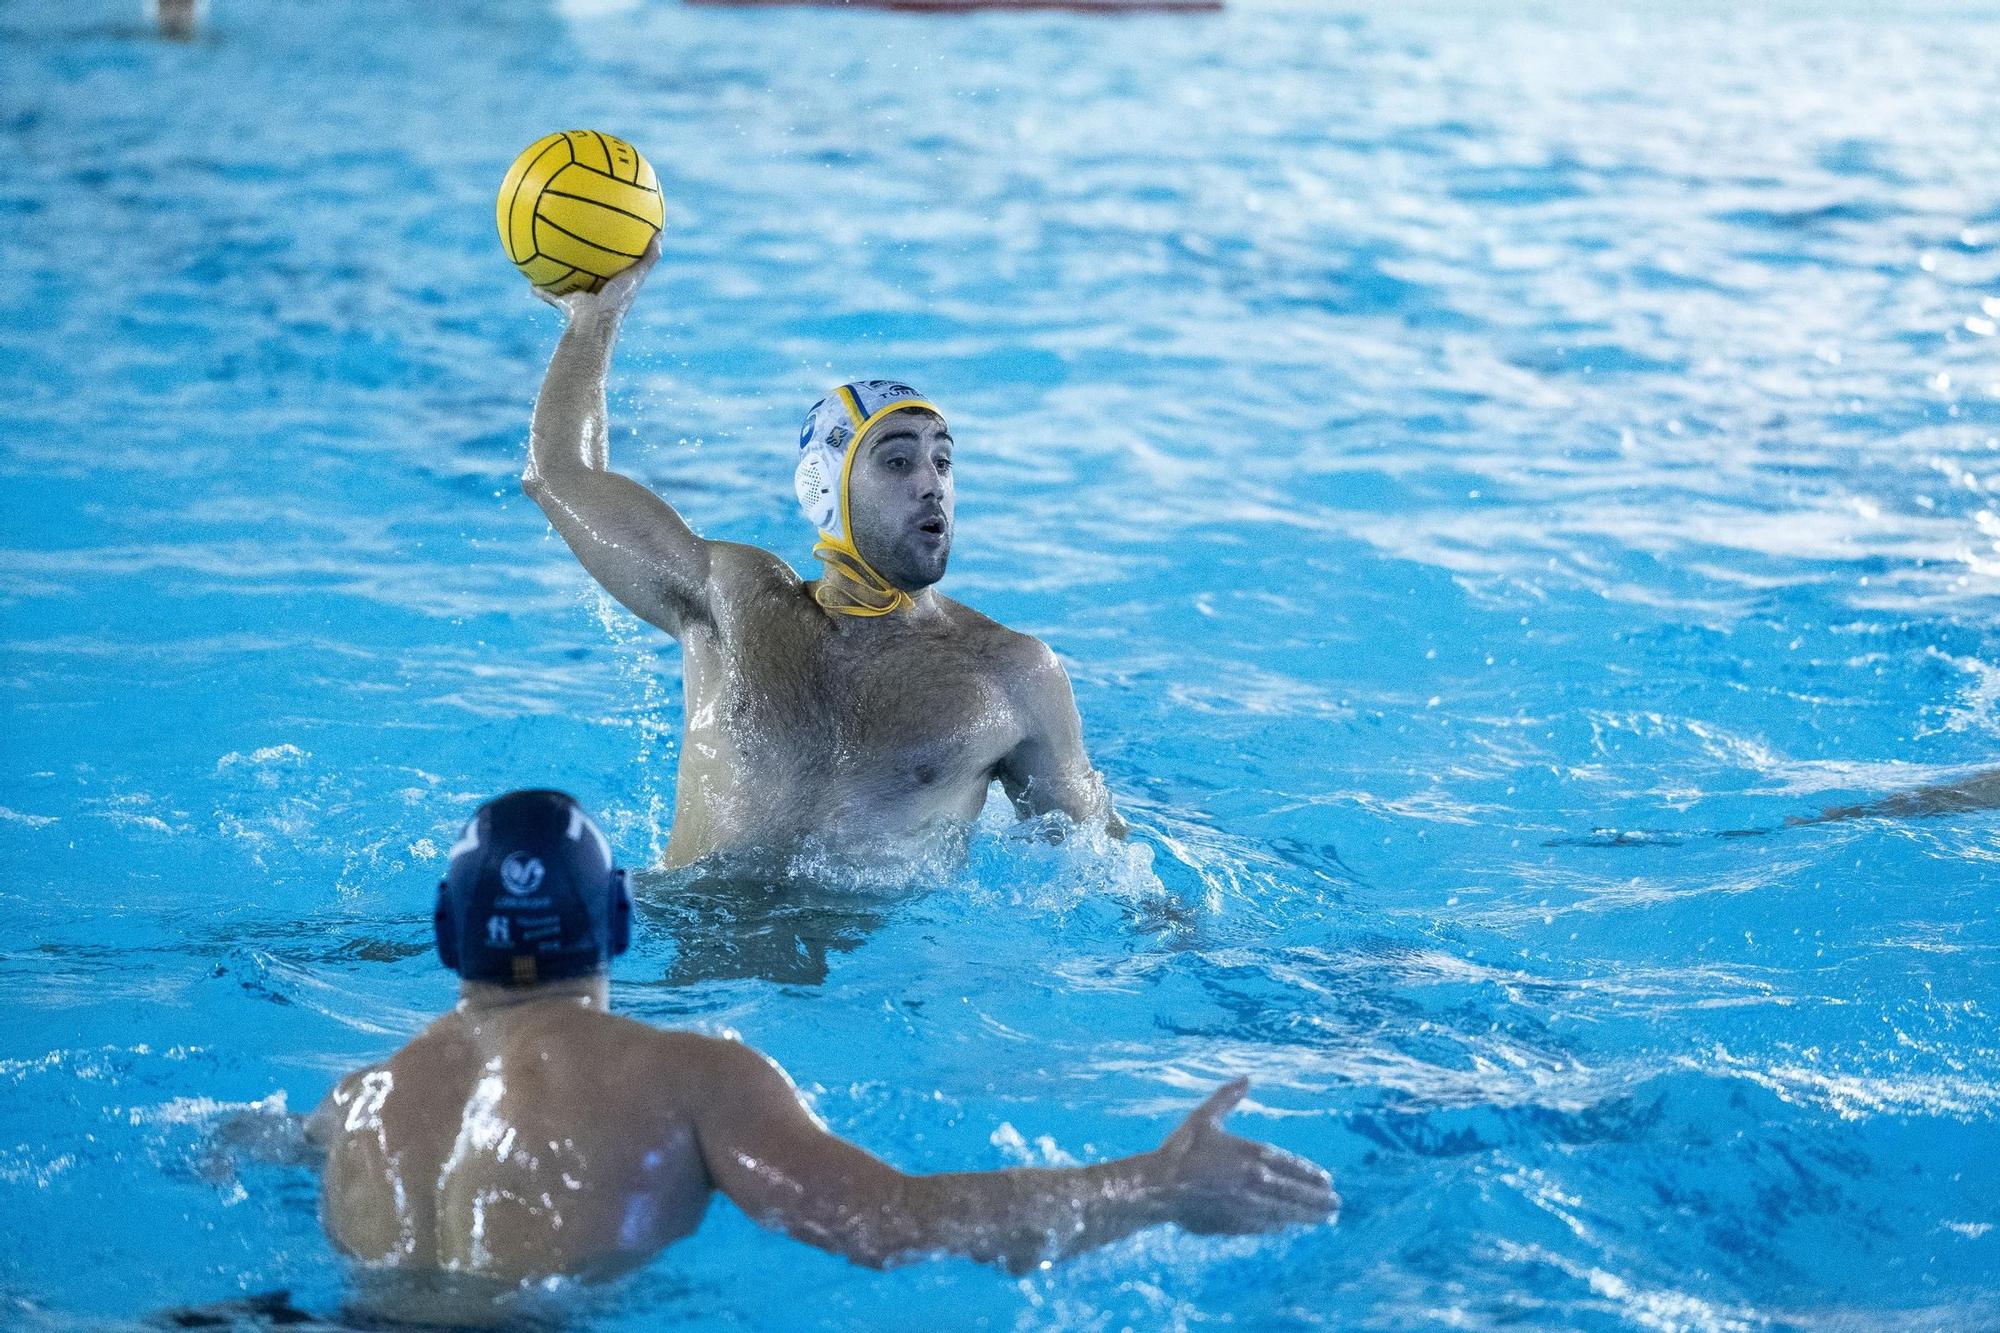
521 874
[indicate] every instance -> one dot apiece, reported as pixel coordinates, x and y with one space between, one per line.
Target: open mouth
933 526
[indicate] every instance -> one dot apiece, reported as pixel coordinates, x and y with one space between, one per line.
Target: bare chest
887 716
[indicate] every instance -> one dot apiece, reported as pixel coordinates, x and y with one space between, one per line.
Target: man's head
531 894
875 476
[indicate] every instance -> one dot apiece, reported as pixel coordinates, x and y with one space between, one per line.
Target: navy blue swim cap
531 894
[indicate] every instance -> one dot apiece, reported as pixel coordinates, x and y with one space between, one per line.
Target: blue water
1466 456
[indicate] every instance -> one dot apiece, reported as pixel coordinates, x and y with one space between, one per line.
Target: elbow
1016 1258
900 1224
549 485
533 474
544 490
862 1245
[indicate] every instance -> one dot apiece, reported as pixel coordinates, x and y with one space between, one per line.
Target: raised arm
631 541
768 1154
1049 770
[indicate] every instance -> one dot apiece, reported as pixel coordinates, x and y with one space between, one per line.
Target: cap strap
851 587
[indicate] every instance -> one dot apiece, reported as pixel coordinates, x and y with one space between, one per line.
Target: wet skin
872 737
530 1133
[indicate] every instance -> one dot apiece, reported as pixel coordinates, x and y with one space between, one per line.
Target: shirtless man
863 711
530 1133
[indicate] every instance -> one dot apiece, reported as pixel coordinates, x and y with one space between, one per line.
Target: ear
621 913
443 925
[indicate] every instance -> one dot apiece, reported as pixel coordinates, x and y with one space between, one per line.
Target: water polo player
863 712
529 1132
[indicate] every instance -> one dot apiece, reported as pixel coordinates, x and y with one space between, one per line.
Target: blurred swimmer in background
862 712
177 20
530 1133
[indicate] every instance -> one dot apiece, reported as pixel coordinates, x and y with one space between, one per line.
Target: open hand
1219 1184
615 296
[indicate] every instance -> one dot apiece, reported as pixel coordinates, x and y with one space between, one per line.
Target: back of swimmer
530 1132
523 1133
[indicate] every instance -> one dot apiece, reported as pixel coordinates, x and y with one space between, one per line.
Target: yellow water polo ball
576 208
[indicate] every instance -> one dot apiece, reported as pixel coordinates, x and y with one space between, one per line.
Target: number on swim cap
576 208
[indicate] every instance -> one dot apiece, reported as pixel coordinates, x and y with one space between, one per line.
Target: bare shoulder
342 1095
748 584
738 566
1022 665
711 1076
350 1103
687 1053
717 1057
439 1048
1019 659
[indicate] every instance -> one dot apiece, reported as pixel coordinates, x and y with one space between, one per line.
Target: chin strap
851 587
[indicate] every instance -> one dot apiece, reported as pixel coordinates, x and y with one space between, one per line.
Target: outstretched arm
765 1150
631 541
1049 770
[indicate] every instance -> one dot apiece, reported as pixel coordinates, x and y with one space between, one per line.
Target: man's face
899 498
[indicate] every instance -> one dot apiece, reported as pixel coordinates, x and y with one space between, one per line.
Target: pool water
1467 457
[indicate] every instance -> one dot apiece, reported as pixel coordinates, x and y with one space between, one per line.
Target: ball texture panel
548 273
579 220
588 148
537 162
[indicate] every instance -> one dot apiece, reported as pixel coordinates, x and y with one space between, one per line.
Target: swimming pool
1465 458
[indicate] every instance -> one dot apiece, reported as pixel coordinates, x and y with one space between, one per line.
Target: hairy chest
883 711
